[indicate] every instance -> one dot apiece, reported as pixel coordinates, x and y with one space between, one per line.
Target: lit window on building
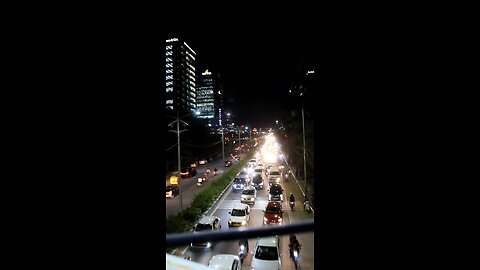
169 101
169 89
169 53
169 59
170 107
170 77
169 71
169 83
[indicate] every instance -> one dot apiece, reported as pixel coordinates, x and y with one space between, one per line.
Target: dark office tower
180 77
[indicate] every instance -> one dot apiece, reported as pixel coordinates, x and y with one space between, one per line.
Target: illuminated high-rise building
181 86
209 96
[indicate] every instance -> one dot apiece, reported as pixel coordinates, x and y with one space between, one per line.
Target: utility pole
239 143
223 149
223 142
304 154
178 150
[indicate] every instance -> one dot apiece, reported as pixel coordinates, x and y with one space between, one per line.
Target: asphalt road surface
189 188
224 205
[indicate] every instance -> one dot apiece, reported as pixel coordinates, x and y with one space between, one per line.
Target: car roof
222 261
269 241
240 206
248 188
207 219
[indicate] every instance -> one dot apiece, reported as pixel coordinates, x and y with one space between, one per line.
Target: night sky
256 67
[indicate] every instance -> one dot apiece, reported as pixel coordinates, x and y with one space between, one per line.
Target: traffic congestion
263 193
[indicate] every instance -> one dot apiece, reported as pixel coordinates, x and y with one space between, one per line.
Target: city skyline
257 72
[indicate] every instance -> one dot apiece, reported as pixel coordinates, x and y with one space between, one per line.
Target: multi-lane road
224 205
188 186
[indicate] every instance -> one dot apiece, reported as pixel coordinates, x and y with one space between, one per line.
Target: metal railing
183 239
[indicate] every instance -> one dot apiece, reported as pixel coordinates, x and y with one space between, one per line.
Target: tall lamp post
178 131
304 154
239 143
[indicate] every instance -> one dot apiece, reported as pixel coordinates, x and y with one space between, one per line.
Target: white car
225 262
249 195
258 170
267 254
239 216
206 223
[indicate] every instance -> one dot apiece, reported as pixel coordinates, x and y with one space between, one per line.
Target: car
225 262
274 175
238 184
228 163
257 181
249 195
206 223
273 213
188 172
202 161
258 170
244 174
275 193
172 191
252 162
267 255
239 216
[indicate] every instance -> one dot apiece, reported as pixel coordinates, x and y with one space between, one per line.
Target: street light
178 131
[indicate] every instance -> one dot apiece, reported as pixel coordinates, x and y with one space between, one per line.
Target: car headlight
244 222
280 220
265 219
252 199
229 221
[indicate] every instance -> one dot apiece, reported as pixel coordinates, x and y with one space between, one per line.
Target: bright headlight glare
244 222
265 219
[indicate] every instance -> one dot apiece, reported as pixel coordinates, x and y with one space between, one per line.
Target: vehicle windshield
266 253
238 213
248 192
203 227
258 170
274 173
273 210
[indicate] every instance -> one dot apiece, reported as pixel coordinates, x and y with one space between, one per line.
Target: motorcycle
296 256
307 206
242 253
292 204
200 182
